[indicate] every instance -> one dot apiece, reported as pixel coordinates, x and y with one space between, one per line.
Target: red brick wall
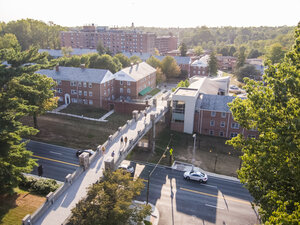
126 107
176 126
195 71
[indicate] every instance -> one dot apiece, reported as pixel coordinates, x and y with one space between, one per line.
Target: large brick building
98 87
200 67
165 44
116 40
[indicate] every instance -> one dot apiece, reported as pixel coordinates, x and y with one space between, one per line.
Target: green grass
85 110
154 91
14 207
75 132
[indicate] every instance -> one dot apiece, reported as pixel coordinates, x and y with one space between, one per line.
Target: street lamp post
193 160
150 173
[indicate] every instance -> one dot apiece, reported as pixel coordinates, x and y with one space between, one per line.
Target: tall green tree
275 53
66 51
135 59
241 59
154 62
270 164
169 67
198 50
247 71
123 60
213 64
183 49
9 41
109 202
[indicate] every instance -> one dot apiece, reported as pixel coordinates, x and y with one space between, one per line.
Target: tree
254 53
14 158
105 62
9 41
241 57
182 83
169 67
183 49
247 71
108 202
123 60
198 50
66 51
135 59
232 50
154 62
156 52
160 76
213 64
100 48
275 53
37 91
270 169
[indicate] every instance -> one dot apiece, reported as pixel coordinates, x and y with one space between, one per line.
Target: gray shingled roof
179 59
77 74
214 102
143 56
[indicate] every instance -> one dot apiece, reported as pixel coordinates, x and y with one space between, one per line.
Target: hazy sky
158 13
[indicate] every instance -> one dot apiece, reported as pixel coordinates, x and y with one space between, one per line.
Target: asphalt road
220 201
57 161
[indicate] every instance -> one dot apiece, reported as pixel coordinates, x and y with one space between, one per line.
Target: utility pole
193 160
150 173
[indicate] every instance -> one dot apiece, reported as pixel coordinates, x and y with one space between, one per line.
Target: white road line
207 185
57 153
214 206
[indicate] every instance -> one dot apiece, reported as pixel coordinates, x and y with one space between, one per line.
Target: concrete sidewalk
61 208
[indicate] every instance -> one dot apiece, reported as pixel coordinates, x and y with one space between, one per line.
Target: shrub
40 186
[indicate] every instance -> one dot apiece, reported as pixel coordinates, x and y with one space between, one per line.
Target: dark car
90 151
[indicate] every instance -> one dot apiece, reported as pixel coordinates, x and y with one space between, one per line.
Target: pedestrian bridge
58 206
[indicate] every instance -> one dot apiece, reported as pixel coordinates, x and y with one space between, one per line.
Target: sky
155 13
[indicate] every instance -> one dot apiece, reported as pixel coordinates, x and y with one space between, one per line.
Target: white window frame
213 113
121 90
90 102
58 82
90 85
84 84
85 93
128 83
223 114
233 134
59 90
90 93
79 84
235 125
73 92
211 132
222 124
121 82
128 90
221 132
80 92
212 123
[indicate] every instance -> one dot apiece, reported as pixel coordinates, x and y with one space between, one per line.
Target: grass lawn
85 110
154 91
74 132
14 207
211 154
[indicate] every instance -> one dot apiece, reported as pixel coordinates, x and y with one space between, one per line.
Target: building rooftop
202 62
179 59
143 56
210 85
217 103
135 72
186 92
78 74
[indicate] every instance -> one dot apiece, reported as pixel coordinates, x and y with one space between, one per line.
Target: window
222 124
235 126
59 90
74 100
211 132
80 92
84 84
79 84
128 83
104 84
212 123
90 85
121 82
234 134
85 101
85 93
251 136
90 93
91 102
121 90
61 99
58 82
104 92
213 114
223 114
73 92
73 83
221 134
128 90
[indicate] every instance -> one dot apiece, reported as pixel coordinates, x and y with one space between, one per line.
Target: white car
127 168
197 176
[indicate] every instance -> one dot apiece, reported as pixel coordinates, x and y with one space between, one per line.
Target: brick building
203 108
226 63
200 67
116 40
99 87
165 44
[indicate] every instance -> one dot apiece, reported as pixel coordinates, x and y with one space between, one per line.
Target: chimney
82 66
57 67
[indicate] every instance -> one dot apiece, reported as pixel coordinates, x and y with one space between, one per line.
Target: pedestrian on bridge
121 140
103 150
113 154
125 139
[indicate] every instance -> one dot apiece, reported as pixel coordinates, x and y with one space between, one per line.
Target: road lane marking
216 196
57 153
54 160
207 185
214 206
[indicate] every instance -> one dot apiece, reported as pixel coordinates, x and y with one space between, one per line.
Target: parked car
127 168
197 176
90 151
234 89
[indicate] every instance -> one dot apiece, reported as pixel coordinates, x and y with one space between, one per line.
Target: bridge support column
151 134
168 115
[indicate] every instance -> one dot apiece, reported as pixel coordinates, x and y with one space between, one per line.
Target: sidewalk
61 208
